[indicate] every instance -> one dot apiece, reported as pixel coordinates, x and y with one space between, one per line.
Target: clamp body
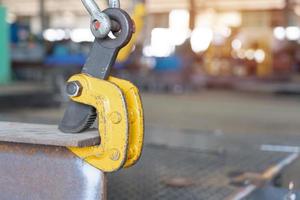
120 121
109 101
115 103
136 120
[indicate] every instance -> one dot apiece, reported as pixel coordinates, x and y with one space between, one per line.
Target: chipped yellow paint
136 120
109 101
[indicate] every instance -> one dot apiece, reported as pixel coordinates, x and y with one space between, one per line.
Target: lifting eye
101 25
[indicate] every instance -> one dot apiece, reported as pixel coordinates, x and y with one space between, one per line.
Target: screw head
115 155
73 89
115 117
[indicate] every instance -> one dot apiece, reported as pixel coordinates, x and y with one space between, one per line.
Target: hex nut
73 89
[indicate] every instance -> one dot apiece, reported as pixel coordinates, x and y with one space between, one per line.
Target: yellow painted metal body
138 18
120 122
110 104
136 120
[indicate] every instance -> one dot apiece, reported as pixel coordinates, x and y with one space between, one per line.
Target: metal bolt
115 155
116 117
73 89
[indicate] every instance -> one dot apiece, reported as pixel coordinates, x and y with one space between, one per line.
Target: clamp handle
79 117
105 51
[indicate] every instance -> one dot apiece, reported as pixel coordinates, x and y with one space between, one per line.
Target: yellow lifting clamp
116 102
120 122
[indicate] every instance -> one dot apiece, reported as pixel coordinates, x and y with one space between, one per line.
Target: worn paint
136 120
120 121
107 98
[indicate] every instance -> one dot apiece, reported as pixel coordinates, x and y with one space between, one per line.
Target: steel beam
47 172
32 168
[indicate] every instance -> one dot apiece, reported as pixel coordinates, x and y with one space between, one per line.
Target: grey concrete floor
214 120
230 112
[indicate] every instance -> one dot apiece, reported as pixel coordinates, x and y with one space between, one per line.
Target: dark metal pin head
73 89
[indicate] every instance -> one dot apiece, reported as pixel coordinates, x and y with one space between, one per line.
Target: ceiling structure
31 7
167 5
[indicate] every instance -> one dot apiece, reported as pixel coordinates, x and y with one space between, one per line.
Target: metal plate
45 135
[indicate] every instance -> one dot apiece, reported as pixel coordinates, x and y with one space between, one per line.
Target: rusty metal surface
38 172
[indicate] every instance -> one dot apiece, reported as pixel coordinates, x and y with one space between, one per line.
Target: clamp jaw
116 103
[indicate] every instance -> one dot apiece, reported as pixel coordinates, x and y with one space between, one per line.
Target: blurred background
220 81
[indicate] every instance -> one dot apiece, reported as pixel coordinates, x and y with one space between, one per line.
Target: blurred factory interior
220 82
